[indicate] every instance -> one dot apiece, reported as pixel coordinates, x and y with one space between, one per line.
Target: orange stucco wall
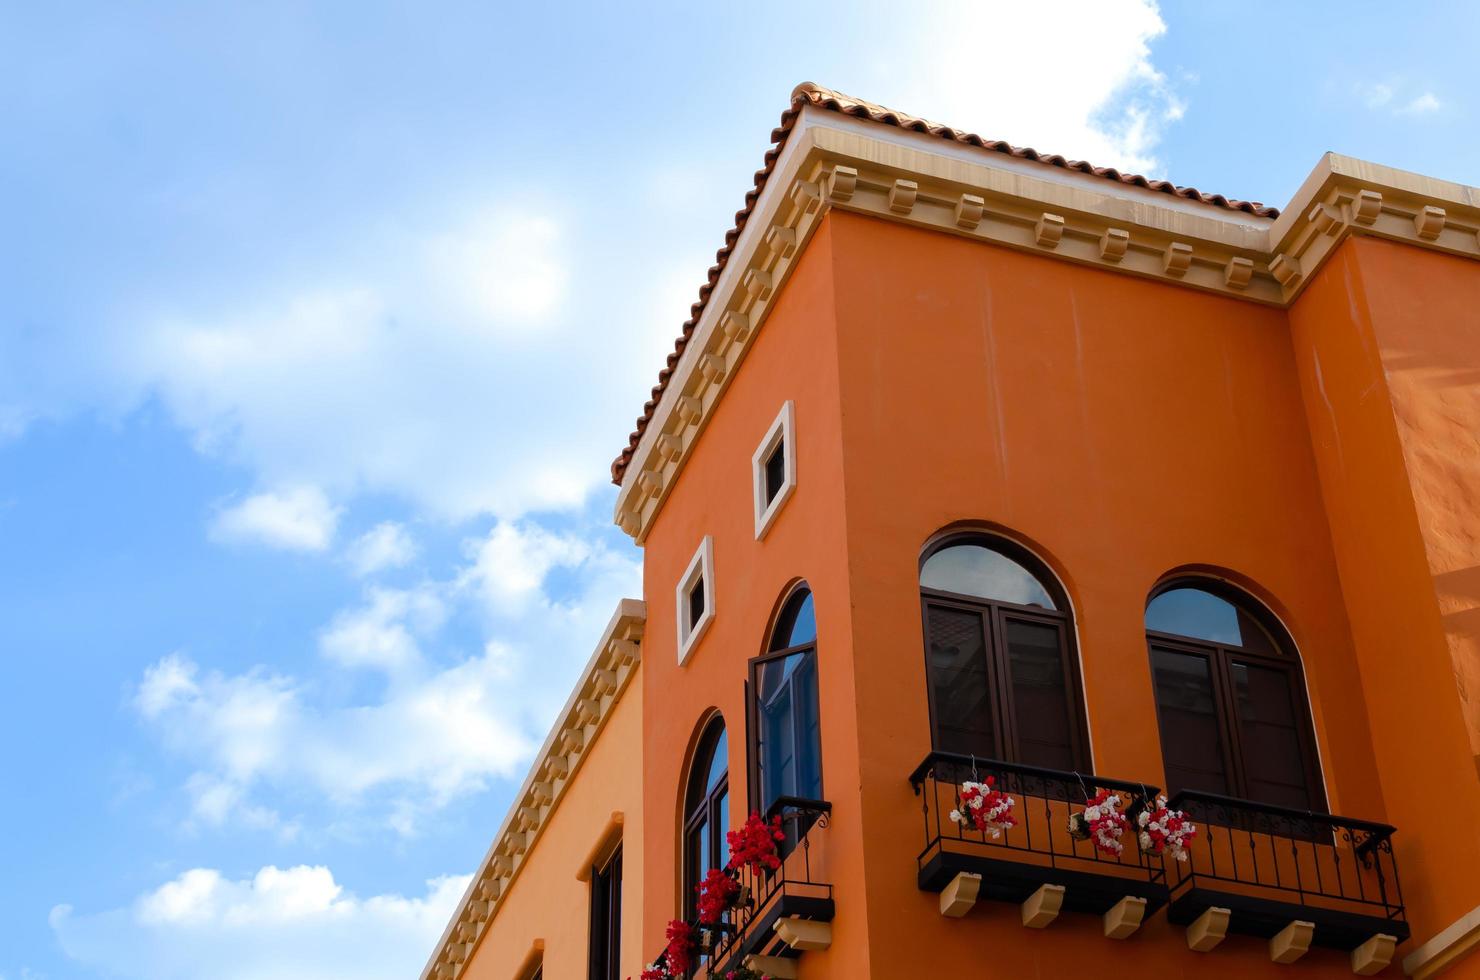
1388 338
548 902
1123 430
1324 458
793 357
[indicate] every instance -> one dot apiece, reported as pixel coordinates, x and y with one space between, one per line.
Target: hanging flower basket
984 808
1165 831
678 956
1102 821
753 846
719 892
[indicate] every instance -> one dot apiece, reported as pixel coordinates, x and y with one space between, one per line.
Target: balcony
1037 864
785 912
1296 878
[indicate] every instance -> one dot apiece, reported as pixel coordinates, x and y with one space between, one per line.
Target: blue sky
319 325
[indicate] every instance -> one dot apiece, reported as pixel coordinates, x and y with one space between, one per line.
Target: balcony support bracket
1208 930
1291 942
1042 907
959 897
804 934
1124 917
1373 956
778 967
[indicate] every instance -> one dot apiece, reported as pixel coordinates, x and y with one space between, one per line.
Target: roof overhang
607 675
831 161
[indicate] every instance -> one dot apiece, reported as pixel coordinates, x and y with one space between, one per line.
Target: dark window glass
999 657
788 736
1230 700
976 570
1040 694
606 920
1186 706
696 602
1269 736
706 811
960 690
775 471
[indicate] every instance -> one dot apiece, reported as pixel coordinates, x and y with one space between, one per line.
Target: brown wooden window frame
604 957
709 806
753 694
995 614
1221 659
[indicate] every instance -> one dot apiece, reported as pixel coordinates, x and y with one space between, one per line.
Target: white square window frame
700 566
784 431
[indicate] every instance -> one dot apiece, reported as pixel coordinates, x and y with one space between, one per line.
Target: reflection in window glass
788 740
790 751
796 625
718 765
959 689
974 570
1195 613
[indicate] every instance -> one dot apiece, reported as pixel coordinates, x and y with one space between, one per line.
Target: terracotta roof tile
807 94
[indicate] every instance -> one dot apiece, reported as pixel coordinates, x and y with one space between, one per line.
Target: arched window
788 740
1230 697
1000 659
706 811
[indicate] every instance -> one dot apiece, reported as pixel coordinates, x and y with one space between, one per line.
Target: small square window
694 599
775 467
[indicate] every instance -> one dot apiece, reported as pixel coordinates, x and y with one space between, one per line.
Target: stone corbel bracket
607 676
1344 197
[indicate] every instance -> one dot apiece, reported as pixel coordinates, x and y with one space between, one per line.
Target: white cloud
442 726
280 922
429 740
511 563
506 268
298 519
1397 97
1074 78
1422 105
379 634
452 379
386 545
1376 95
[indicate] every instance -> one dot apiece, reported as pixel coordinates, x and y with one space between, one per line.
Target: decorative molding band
607 676
848 168
1458 940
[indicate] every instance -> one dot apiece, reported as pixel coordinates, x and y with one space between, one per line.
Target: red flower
682 940
754 845
717 893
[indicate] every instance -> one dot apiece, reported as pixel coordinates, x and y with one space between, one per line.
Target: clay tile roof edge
811 94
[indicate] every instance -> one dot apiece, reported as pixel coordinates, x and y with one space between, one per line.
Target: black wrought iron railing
794 889
1040 848
1272 864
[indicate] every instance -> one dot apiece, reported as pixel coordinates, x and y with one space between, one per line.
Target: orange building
1085 570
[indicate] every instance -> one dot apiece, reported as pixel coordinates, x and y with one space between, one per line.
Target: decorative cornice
1456 941
585 714
864 168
